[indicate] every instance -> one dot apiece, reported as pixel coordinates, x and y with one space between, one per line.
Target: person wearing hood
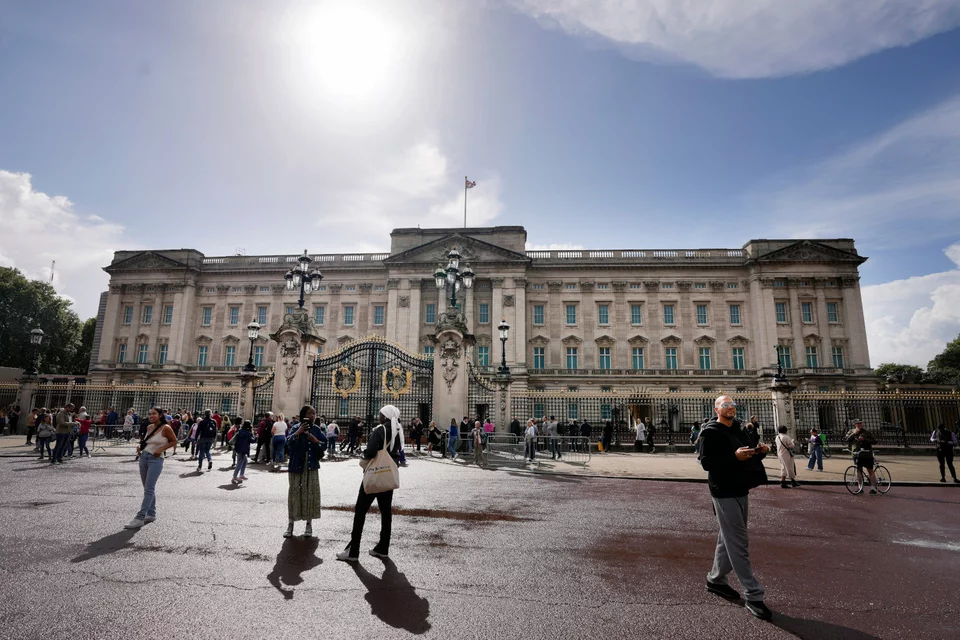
733 467
388 433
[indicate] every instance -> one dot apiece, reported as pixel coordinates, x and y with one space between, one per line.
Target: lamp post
504 329
453 276
36 337
253 331
301 276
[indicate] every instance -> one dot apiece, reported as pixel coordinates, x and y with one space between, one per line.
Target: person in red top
84 434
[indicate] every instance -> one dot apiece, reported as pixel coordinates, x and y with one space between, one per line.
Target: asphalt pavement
476 553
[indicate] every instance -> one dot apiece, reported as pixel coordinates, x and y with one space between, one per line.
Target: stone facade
591 319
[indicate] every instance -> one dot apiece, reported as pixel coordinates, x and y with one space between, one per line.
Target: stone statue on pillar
450 378
298 346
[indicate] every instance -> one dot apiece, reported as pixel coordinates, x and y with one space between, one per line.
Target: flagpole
464 202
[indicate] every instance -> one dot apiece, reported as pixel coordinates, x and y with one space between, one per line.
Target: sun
345 50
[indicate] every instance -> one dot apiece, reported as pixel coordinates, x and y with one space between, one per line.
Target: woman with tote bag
788 468
380 477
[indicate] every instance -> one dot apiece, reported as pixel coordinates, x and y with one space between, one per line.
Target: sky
268 127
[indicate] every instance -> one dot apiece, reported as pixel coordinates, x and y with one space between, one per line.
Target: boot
784 485
794 483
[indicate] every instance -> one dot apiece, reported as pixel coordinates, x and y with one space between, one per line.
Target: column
496 314
622 357
783 407
414 307
394 330
468 309
853 321
796 328
689 331
111 317
184 301
589 353
518 352
554 327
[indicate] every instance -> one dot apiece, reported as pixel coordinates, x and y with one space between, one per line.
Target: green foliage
26 304
904 373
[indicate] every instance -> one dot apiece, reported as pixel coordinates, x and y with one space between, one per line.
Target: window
319 315
838 357
539 410
351 287
206 316
833 312
290 309
320 351
731 285
701 314
344 407
264 289
122 353
348 316
378 314
429 350
738 358
734 314
604 357
234 315
668 314
806 311
379 287
573 411
571 286
780 283
162 354
781 309
571 357
211 289
142 354
484 315
127 315
258 356
539 358
606 411
705 358
812 361
636 314
202 355
430 313
538 314
670 357
786 360
603 314
147 314
230 355
483 356
262 316
638 358
636 285
666 285
538 287
603 285
168 314
571 314
700 285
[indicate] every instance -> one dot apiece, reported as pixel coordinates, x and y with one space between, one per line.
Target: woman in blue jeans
157 438
279 441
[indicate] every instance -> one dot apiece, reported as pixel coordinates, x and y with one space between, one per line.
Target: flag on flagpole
469 184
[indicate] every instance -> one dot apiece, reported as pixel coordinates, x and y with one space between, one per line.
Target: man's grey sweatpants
733 547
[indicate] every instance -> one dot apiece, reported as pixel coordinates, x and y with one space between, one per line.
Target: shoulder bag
381 473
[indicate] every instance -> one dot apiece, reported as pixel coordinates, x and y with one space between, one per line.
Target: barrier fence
140 398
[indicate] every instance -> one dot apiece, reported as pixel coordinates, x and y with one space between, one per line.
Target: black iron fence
263 397
481 396
140 398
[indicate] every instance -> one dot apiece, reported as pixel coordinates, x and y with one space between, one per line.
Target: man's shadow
393 599
108 544
817 629
297 556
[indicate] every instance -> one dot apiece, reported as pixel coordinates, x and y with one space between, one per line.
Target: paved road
477 554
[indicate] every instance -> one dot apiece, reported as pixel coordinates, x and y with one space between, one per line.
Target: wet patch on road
468 516
930 544
35 504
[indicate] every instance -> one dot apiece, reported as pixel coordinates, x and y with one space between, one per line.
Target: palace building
583 319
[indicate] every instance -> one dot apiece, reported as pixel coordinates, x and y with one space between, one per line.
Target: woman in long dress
306 446
788 470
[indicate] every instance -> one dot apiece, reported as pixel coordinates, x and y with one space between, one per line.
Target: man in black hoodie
733 467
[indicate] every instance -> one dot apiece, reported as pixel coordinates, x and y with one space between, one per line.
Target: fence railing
140 398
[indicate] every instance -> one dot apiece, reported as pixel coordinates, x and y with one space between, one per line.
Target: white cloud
751 38
556 246
911 320
896 188
39 228
416 187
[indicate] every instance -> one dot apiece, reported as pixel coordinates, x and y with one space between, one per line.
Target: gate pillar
783 413
450 376
248 380
298 346
503 409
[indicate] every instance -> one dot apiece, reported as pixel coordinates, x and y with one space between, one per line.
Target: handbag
789 450
381 473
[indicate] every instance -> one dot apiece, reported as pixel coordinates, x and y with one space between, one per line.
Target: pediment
344 340
231 339
146 261
539 340
572 339
203 339
638 339
738 339
605 341
671 339
704 339
807 251
473 251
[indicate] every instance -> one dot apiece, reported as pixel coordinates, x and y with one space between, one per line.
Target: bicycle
853 479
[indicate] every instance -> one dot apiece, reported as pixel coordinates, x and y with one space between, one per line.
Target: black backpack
207 428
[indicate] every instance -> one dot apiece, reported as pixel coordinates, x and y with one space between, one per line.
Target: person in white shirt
530 440
333 434
641 435
279 432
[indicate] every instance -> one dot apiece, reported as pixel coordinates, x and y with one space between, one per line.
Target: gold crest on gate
396 381
346 381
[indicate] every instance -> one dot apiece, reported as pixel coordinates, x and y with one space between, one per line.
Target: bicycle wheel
852 481
883 478
826 451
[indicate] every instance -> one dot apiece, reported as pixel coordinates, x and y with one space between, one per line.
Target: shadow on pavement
547 476
230 486
108 544
297 556
817 629
191 474
393 599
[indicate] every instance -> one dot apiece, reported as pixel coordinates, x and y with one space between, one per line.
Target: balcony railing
282 260
731 256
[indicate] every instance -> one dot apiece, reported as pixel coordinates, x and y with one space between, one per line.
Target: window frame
603 314
382 311
812 355
636 314
637 358
483 313
230 355
836 313
163 351
672 322
319 314
147 315
263 314
540 308
167 318
429 313
127 315
483 355
143 351
703 320
567 308
777 308
259 354
203 355
351 311
806 312
735 315
668 354
540 357
705 355
122 353
604 353
206 316
738 353
574 353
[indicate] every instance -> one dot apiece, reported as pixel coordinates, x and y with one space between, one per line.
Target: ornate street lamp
301 276
36 337
453 276
253 331
504 329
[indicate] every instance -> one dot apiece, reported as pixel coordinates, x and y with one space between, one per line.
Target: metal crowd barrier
571 449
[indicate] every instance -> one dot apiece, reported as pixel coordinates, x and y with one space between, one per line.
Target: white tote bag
381 474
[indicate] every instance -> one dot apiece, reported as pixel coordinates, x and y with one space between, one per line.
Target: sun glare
346 50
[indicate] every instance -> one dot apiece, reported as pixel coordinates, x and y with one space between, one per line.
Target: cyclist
861 444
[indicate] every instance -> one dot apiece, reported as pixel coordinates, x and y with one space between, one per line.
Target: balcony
641 256
353 260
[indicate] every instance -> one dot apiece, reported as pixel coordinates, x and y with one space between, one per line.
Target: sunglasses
728 405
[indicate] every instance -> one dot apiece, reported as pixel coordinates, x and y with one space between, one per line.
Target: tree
903 373
945 367
81 358
27 304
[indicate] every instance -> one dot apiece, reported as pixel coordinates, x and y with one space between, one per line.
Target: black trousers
945 455
385 504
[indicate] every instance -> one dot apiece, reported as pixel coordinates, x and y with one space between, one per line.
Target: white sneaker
149 519
134 524
346 557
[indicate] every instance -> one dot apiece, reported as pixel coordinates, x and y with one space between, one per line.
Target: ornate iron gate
357 380
480 396
263 398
